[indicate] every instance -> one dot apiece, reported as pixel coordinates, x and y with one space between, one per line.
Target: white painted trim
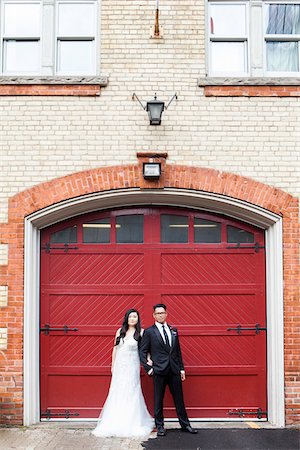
275 334
31 325
173 197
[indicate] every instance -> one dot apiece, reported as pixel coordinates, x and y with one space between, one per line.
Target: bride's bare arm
113 356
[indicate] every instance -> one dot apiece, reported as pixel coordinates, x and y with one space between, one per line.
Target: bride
124 413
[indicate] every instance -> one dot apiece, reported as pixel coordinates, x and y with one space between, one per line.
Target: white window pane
76 57
76 19
21 57
228 57
282 56
228 20
283 19
22 20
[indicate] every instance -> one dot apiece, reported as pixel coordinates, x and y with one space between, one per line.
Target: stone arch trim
130 177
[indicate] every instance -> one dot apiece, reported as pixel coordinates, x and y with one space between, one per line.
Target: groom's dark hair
159 305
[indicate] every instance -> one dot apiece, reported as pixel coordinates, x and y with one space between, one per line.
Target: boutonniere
174 331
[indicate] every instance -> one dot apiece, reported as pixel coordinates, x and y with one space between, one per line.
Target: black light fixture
154 108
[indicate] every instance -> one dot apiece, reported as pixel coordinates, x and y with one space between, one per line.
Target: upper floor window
249 38
55 37
282 37
228 38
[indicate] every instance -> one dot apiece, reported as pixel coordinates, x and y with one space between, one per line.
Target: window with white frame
253 38
21 37
282 36
55 37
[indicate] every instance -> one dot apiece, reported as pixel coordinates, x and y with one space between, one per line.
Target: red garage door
209 270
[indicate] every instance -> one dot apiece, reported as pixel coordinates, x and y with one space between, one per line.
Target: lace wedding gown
125 413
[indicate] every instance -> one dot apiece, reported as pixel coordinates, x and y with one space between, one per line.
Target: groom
162 343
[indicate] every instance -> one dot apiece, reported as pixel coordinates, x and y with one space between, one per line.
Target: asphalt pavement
227 439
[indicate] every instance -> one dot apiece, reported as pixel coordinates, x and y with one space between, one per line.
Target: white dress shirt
168 331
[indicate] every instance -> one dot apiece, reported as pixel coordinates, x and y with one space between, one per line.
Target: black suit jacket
163 358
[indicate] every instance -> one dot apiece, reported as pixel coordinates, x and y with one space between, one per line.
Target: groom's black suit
167 364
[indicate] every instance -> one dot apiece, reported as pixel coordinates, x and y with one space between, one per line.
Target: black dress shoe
189 429
161 431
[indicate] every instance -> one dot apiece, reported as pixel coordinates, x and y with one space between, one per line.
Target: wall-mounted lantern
154 108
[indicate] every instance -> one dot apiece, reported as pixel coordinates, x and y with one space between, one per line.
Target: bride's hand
149 362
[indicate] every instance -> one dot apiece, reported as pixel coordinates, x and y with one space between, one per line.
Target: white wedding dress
124 413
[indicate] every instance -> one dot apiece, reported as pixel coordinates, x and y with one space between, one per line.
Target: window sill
250 87
52 86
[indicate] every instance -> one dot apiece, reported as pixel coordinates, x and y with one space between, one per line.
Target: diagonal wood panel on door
215 294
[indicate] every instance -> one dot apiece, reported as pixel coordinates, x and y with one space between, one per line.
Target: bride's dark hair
125 326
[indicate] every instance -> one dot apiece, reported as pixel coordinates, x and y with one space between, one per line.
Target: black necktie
166 337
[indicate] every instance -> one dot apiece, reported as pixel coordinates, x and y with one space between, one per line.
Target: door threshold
173 423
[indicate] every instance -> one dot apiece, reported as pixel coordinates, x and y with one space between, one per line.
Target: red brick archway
128 177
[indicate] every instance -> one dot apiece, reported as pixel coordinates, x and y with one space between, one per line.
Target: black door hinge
239 329
259 413
48 414
66 247
47 328
256 246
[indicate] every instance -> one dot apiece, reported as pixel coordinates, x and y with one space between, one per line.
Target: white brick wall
3 338
3 254
3 296
43 138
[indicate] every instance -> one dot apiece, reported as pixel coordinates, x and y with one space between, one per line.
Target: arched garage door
208 269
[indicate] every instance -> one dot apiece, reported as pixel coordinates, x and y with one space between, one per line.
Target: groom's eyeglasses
159 313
